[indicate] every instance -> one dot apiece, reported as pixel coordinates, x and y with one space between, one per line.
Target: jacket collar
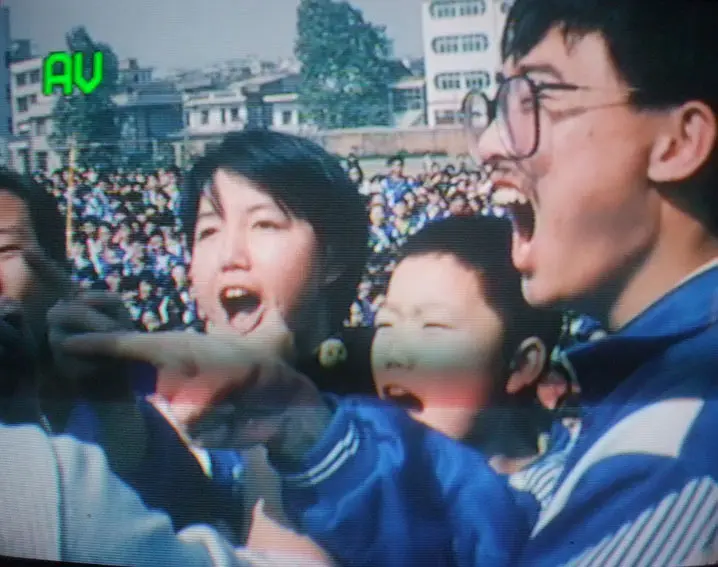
688 309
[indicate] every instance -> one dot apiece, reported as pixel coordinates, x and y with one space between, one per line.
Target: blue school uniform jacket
635 486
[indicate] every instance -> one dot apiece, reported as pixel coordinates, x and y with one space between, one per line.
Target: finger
50 272
272 337
142 347
74 317
107 303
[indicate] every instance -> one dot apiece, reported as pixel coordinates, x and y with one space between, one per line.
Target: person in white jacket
60 501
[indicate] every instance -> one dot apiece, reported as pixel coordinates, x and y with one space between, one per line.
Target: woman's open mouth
243 307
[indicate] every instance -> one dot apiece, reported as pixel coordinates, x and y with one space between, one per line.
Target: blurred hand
79 312
229 391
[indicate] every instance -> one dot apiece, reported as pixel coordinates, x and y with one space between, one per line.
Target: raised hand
79 312
229 391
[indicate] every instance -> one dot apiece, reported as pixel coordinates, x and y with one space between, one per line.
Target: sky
168 34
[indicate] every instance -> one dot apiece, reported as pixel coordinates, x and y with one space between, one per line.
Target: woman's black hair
45 218
483 244
304 178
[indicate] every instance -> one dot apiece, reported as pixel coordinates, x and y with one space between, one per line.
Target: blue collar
685 311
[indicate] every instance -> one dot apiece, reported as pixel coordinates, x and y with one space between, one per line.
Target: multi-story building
461 52
30 148
5 100
148 111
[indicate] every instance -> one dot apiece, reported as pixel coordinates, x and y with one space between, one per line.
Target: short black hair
305 178
511 424
483 244
45 218
666 52
395 159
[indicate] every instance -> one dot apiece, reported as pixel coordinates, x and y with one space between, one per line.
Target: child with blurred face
448 341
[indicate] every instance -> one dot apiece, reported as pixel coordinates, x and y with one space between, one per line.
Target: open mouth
520 210
403 398
243 308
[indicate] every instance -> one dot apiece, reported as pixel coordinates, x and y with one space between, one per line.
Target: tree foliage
91 120
346 70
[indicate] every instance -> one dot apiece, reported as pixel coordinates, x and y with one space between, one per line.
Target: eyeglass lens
518 116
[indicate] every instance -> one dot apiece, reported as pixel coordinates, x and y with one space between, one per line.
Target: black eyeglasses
516 108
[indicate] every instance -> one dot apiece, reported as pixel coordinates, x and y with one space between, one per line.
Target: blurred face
582 213
436 343
150 321
145 289
17 281
179 275
156 242
251 254
397 169
459 206
400 209
113 281
376 215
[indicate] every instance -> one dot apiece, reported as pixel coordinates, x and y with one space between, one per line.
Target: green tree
346 69
91 120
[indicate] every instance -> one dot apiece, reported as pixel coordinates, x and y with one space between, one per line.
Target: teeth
509 195
235 293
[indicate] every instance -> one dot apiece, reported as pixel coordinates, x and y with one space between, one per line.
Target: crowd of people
455 424
126 235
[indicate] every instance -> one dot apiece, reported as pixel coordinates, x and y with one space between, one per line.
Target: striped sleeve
681 530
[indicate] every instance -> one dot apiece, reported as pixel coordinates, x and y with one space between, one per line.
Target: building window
477 80
443 10
286 117
33 99
506 6
187 119
41 127
204 117
448 81
24 156
452 9
21 79
223 115
35 76
22 104
446 44
445 117
408 99
41 161
474 42
464 43
475 8
234 114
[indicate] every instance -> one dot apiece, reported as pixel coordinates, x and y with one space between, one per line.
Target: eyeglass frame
535 90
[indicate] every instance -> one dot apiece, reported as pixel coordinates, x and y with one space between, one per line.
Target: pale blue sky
190 33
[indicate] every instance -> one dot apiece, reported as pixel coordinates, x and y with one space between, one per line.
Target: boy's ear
527 364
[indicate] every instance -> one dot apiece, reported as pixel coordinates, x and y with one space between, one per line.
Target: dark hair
510 426
306 179
643 45
45 218
395 159
355 167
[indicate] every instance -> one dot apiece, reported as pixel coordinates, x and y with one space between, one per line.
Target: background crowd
126 236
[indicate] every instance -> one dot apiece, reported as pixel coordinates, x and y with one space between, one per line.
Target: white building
461 52
5 109
31 113
149 111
